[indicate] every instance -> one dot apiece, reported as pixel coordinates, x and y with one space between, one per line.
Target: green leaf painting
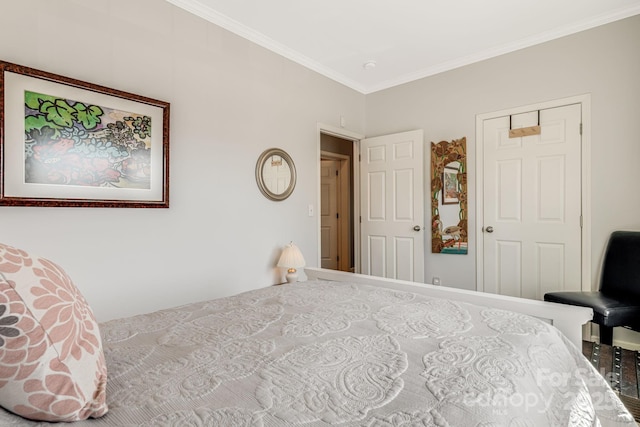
58 112
33 100
68 142
88 116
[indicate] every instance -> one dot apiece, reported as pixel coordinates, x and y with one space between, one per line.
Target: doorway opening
337 203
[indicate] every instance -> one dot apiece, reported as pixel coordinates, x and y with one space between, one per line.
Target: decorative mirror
275 174
449 232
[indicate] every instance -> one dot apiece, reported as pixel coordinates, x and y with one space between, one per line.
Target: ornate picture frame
449 233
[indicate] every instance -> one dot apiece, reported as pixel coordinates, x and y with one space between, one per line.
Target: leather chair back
621 269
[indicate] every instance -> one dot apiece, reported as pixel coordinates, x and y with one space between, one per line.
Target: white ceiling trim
260 39
195 7
511 47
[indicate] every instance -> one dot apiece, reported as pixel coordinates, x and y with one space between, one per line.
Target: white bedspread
323 353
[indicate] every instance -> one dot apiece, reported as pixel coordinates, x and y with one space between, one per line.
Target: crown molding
198 9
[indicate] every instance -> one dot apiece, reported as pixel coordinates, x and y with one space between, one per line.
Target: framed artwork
64 142
450 186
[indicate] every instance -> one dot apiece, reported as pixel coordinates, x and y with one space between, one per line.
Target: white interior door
392 206
328 214
532 204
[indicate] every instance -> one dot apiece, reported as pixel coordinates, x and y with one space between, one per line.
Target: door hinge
580 221
338 258
580 128
360 219
336 173
337 215
359 157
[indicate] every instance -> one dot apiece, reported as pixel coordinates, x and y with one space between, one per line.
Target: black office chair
618 301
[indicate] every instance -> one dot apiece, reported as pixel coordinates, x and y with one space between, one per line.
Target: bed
351 350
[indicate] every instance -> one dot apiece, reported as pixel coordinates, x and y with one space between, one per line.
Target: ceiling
404 39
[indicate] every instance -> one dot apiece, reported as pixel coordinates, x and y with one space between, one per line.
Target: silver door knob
417 228
489 229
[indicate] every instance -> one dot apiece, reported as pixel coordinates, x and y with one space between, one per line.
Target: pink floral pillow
52 367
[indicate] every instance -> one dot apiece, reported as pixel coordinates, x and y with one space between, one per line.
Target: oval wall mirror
275 174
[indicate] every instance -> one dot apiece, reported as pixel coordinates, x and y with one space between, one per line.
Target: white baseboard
623 344
622 337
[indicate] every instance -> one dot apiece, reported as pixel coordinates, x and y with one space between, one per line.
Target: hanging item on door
449 234
526 131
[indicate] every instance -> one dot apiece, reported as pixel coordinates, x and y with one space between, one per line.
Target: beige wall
230 100
603 62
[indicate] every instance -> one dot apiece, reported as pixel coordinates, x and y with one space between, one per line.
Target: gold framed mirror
275 174
449 233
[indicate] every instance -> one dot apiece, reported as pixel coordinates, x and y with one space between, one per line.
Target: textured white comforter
323 353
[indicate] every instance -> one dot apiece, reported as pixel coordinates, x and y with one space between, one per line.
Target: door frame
585 172
355 137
